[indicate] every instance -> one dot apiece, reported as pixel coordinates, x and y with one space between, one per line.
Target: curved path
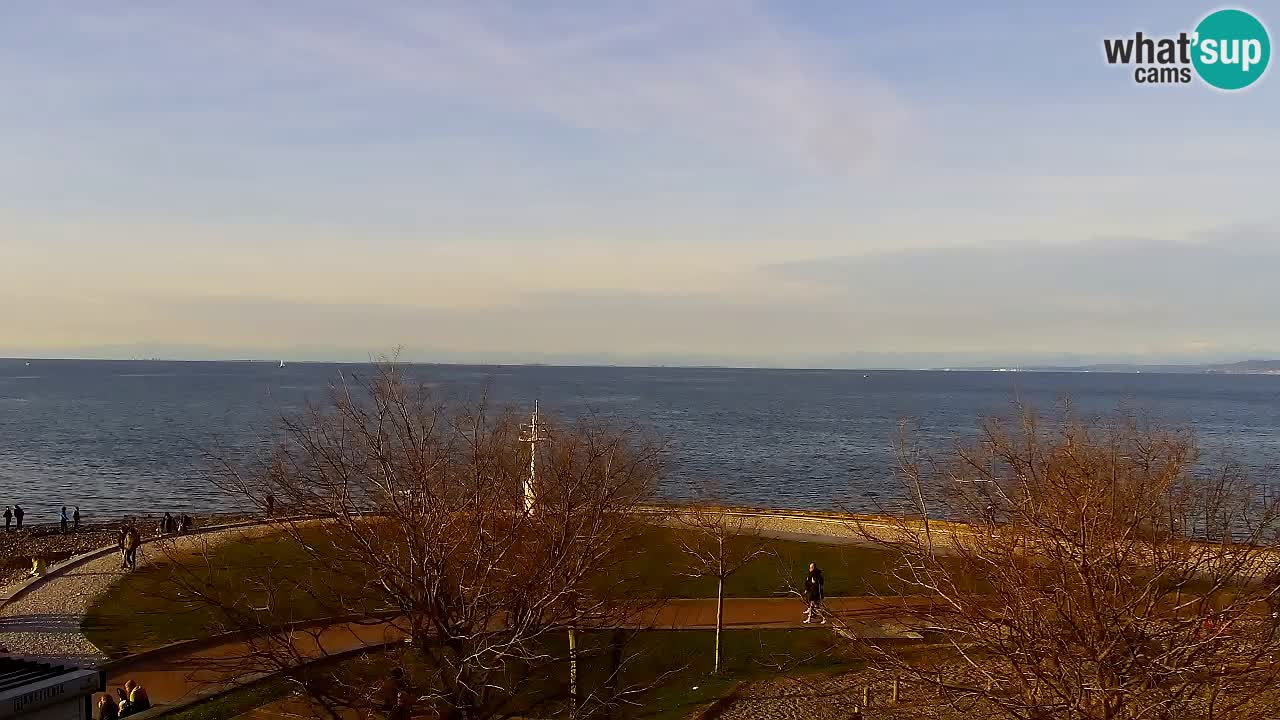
44 621
200 669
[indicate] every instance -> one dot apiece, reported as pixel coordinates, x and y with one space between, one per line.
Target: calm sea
126 437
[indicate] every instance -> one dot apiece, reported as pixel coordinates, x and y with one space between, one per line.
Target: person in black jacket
8 518
394 697
18 512
107 708
125 708
813 594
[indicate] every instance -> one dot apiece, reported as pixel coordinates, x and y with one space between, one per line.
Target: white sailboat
281 363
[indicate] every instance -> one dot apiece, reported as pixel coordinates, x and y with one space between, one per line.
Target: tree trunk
615 669
719 621
573 672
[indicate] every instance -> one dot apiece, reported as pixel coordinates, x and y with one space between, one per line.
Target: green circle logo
1231 49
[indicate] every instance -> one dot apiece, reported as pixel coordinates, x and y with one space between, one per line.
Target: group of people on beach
16 513
130 700
74 518
182 524
11 513
130 539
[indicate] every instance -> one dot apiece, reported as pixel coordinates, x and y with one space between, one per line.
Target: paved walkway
181 676
45 621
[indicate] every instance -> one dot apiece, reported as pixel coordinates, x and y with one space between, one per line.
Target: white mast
534 433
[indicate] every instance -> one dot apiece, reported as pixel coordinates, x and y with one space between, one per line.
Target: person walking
18 514
271 505
120 538
813 594
64 520
166 525
129 542
8 517
75 520
132 542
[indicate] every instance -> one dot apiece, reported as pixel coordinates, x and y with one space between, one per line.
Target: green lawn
234 703
849 570
672 665
684 657
146 608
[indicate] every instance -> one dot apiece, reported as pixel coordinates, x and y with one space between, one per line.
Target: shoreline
17 547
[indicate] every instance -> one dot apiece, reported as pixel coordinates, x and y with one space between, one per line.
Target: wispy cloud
720 74
1208 290
373 172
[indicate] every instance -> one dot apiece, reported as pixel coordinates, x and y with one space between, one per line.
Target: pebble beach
18 547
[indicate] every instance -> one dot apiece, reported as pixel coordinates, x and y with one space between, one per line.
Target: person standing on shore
271 505
132 542
166 525
813 594
75 520
129 542
18 513
64 520
8 518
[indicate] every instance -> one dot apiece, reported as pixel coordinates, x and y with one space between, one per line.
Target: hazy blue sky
788 182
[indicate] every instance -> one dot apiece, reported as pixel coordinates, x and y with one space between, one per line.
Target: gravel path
815 698
833 697
45 622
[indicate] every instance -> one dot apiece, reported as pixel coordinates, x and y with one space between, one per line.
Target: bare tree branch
1090 573
416 528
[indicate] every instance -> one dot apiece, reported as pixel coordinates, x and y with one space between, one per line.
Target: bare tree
717 545
416 529
1091 573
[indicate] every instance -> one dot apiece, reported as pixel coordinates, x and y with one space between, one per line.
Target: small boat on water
281 363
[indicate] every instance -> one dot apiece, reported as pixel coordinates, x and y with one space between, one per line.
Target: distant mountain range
858 361
1244 367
